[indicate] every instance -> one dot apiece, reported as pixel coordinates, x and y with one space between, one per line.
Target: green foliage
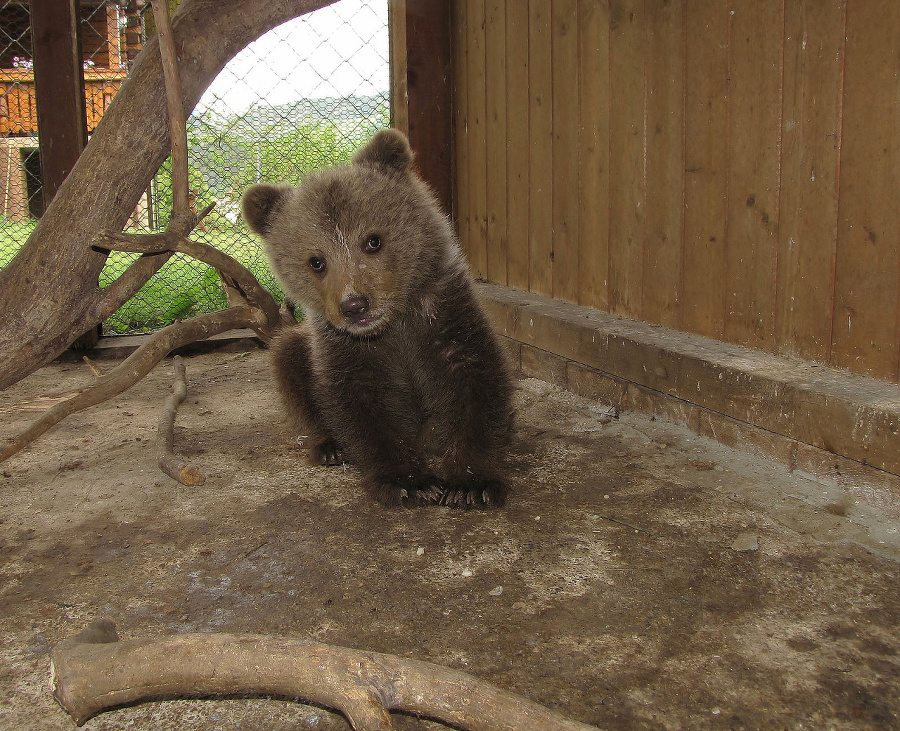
12 236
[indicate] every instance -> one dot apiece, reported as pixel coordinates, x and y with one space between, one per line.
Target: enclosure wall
721 167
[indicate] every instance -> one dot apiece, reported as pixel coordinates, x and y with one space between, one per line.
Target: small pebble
745 542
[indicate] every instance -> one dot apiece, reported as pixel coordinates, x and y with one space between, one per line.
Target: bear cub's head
357 244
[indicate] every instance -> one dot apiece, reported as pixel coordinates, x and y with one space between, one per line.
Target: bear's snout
355 307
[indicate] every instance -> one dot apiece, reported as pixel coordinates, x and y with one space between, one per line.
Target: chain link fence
304 96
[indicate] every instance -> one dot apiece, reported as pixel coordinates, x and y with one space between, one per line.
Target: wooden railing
18 112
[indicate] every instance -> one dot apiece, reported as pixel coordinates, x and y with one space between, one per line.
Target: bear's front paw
474 493
408 490
327 453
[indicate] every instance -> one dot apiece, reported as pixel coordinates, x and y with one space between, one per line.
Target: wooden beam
420 50
59 89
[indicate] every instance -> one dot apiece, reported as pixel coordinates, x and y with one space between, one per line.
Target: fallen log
94 671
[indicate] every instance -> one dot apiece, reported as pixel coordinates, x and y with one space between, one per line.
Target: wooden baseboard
819 420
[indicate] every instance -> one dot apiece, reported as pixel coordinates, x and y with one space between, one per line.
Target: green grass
12 236
182 288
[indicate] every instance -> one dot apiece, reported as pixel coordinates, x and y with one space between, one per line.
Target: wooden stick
87 678
169 462
175 110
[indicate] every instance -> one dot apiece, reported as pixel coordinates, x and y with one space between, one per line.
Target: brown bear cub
395 367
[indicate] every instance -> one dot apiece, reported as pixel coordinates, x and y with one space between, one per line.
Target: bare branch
135 367
87 678
169 462
175 110
237 274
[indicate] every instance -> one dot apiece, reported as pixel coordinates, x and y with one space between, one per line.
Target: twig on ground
93 671
94 369
169 462
627 525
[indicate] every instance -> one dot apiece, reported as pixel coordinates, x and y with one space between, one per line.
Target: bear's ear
388 148
260 203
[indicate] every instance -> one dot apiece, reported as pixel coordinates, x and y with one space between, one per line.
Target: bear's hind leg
294 376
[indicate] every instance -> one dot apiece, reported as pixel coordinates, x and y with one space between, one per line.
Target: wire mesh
306 95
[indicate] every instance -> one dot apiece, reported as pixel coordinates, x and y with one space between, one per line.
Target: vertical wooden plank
398 61
540 115
756 54
807 235
460 67
665 162
565 270
495 87
518 143
593 221
627 139
477 109
867 277
427 69
59 90
702 308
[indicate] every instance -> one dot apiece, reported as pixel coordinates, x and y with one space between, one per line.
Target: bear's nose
355 307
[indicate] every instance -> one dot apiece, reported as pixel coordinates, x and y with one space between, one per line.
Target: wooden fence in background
723 167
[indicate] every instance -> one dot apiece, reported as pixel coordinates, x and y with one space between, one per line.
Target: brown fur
395 367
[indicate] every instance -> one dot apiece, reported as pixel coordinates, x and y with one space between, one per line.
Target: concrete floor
640 577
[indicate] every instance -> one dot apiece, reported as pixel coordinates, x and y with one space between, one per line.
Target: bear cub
395 368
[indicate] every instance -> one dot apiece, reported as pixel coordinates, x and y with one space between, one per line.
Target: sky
338 50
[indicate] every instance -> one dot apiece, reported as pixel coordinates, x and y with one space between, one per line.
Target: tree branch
93 671
169 462
238 275
175 111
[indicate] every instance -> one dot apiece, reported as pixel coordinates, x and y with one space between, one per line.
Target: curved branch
88 677
239 275
169 462
135 367
157 250
111 298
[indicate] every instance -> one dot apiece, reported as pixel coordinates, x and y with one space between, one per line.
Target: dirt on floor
640 576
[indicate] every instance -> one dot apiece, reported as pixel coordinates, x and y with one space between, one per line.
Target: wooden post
59 89
420 59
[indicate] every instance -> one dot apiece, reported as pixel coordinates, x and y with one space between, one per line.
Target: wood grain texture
460 66
477 138
593 143
517 144
702 307
664 161
627 145
867 280
723 167
566 266
807 234
754 135
495 92
540 116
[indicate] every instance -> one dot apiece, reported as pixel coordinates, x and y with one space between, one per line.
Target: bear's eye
373 244
317 264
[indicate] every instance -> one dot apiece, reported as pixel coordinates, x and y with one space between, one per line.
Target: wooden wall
723 167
